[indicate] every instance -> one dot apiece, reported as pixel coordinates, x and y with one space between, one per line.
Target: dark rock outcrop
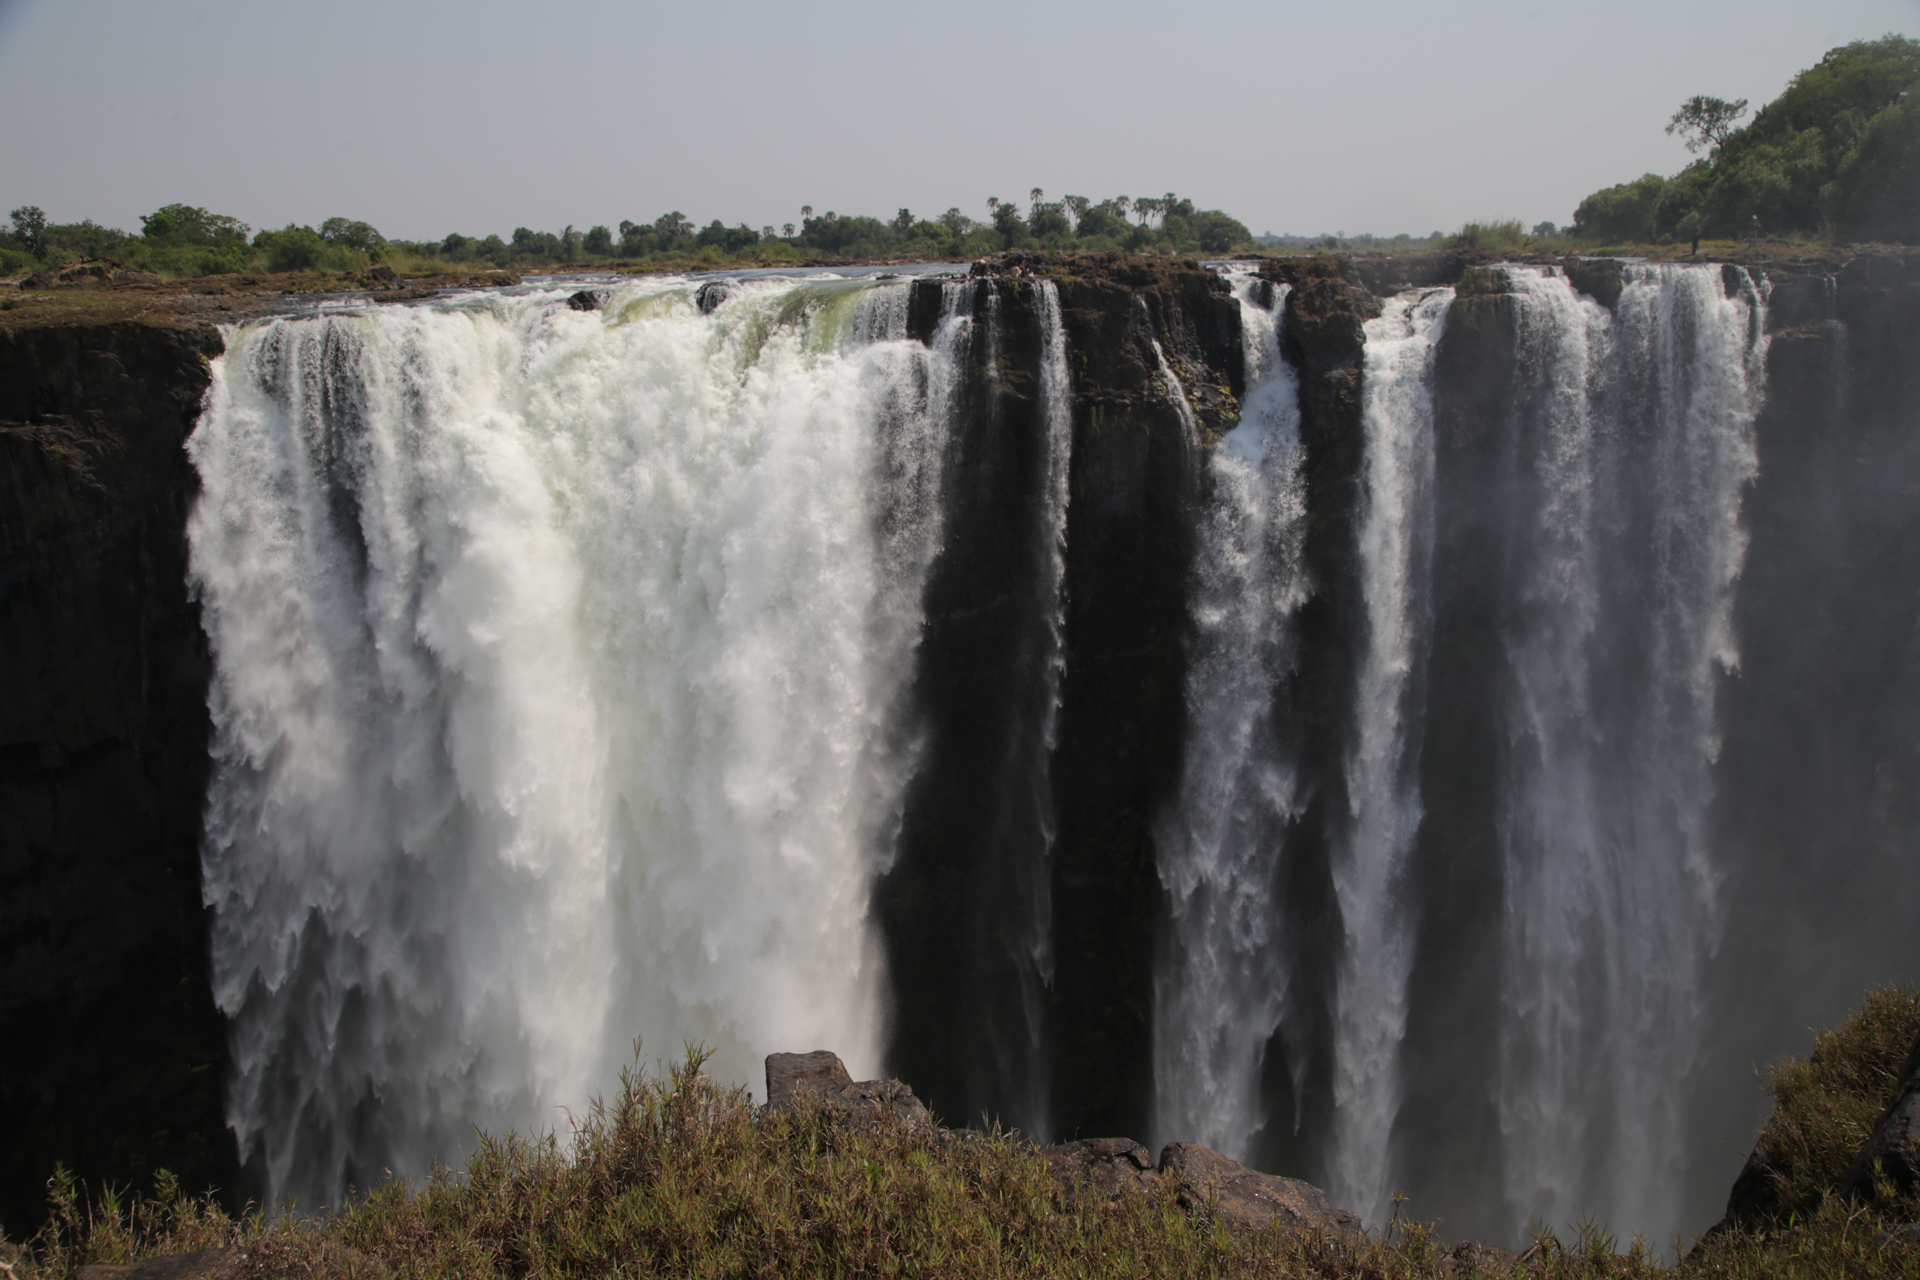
589 299
1388 274
113 1047
1106 1169
821 1075
1601 279
1241 1196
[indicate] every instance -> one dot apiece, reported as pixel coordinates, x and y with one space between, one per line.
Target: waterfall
1222 982
1395 539
1057 422
558 700
1635 431
650 674
1176 391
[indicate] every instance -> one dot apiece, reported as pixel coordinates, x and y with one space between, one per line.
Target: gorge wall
113 1044
1431 733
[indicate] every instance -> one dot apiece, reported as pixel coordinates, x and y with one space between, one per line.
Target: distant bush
1623 214
344 233
1220 233
292 248
1502 236
179 225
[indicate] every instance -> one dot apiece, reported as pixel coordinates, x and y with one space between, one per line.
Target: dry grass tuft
684 1177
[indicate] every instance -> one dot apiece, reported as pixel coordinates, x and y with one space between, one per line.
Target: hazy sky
424 116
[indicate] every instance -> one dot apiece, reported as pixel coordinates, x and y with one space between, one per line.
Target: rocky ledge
1104 1171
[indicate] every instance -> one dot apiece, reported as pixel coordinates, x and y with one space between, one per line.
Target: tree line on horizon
183 239
1835 156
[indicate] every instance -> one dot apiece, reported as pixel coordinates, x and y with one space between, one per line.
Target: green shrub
1502 236
178 225
1876 195
292 248
1825 1106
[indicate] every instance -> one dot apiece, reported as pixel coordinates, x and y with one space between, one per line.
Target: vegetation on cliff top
1837 154
682 1176
183 240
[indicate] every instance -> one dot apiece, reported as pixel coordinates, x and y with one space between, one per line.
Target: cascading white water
559 669
1221 986
1176 390
1057 412
1396 532
1639 426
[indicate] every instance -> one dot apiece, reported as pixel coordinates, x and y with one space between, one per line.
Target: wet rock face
1133 480
113 1045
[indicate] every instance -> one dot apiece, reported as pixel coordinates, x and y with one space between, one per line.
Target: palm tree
787 230
1036 196
806 211
993 204
1123 205
766 233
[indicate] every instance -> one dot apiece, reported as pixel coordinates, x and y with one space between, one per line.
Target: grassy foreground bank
682 1176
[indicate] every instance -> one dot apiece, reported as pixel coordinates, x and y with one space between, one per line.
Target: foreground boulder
1106 1169
1241 1195
821 1075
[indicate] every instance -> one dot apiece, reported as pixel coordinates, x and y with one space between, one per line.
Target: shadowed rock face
113 1045
944 908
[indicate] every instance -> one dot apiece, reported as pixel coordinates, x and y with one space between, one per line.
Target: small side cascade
1176 390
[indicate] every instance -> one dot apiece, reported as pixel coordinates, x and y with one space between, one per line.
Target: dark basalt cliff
959 905
112 1042
1816 783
